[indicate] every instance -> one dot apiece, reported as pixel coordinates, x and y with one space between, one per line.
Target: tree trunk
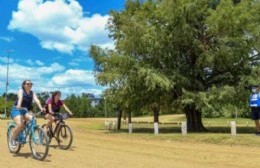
119 116
156 116
129 118
194 121
156 110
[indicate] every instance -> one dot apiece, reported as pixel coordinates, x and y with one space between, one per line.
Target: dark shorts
255 113
55 115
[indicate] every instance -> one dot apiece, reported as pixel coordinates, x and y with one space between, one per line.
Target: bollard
114 125
184 128
106 125
130 128
233 128
156 128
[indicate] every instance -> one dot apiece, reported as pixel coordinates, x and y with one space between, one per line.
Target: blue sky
50 40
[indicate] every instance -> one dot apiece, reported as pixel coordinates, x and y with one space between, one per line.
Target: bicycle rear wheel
13 149
64 137
39 143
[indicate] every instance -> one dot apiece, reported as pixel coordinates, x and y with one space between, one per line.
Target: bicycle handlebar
62 116
33 114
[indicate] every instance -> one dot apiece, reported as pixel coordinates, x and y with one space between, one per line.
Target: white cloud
38 62
19 73
74 77
77 60
30 62
7 39
49 78
73 63
5 60
60 25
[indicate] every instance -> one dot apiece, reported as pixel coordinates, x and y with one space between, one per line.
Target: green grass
218 131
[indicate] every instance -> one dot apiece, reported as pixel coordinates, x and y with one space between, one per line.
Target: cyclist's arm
37 101
50 108
67 109
20 98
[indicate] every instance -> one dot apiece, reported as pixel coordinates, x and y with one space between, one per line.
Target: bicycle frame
36 137
57 127
29 127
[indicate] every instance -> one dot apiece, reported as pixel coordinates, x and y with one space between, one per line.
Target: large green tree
176 51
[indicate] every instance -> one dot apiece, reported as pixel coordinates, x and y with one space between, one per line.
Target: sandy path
97 149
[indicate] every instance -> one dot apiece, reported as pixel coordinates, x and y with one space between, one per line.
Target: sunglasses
29 84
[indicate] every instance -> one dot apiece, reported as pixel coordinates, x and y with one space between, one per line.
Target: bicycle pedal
22 142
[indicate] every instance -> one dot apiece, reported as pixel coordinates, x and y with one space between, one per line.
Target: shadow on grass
212 129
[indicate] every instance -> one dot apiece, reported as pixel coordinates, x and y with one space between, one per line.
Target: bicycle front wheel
64 137
48 130
39 143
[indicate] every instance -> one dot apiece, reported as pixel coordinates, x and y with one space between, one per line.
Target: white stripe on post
156 128
184 128
233 128
130 128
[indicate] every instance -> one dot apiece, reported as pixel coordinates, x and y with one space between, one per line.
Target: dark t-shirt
55 106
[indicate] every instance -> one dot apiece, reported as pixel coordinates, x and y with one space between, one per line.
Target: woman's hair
25 82
54 94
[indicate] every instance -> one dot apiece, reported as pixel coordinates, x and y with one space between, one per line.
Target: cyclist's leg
19 121
50 119
28 117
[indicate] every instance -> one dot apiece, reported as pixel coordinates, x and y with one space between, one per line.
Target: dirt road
98 149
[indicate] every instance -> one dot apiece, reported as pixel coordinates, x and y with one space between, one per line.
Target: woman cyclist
53 105
25 98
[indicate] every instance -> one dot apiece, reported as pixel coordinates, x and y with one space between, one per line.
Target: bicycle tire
39 138
64 132
12 149
48 132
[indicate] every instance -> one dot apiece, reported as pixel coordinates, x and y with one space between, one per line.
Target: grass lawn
219 131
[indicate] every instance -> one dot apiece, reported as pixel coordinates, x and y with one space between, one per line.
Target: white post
114 125
130 128
156 128
184 128
233 128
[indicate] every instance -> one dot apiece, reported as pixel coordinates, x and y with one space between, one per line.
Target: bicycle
38 139
62 132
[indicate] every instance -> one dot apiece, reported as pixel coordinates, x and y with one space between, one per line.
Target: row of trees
79 105
180 55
